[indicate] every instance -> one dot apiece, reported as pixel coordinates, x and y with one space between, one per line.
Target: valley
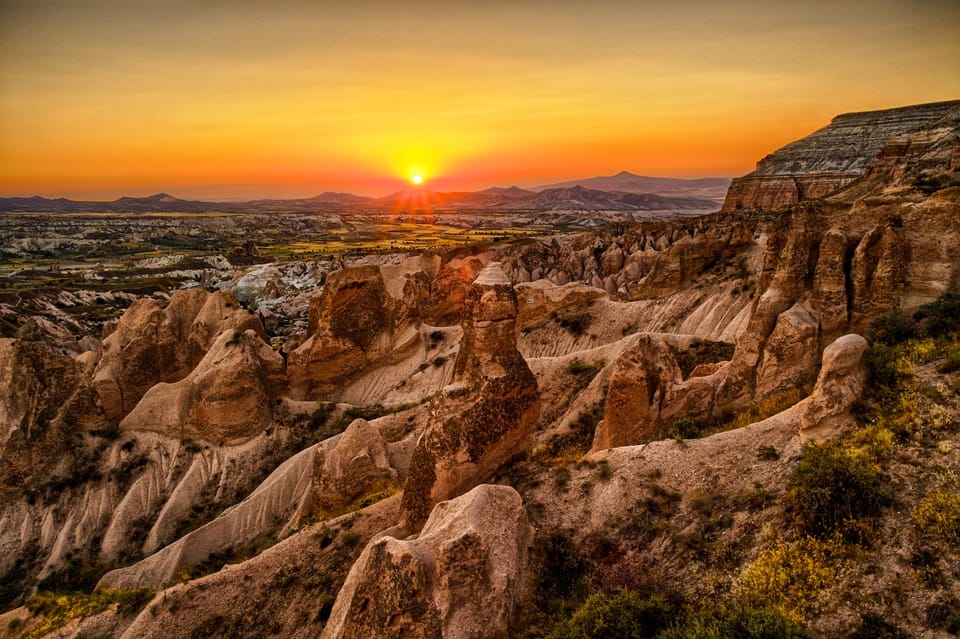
496 423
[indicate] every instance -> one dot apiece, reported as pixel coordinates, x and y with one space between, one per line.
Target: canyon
481 440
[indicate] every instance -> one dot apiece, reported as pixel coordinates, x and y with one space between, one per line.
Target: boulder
843 374
487 415
261 282
458 579
228 397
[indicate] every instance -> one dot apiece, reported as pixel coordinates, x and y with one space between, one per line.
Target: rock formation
459 578
840 384
486 415
826 161
229 396
639 384
37 386
356 466
151 345
350 325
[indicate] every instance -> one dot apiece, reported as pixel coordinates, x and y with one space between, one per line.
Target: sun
417 179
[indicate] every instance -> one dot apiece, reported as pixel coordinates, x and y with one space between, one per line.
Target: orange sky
223 99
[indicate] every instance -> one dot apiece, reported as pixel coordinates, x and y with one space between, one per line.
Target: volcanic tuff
562 367
827 161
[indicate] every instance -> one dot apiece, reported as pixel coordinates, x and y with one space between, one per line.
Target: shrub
561 568
890 329
58 609
623 616
789 577
875 627
952 362
831 489
740 622
350 538
939 318
767 453
938 514
685 428
577 367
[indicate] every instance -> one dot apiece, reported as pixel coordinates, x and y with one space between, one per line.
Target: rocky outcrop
151 344
791 352
229 396
350 325
459 578
358 465
838 155
636 392
840 384
486 415
38 386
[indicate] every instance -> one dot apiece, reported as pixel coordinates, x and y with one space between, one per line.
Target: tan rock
350 325
356 466
37 384
636 393
459 579
487 415
229 396
151 345
843 374
791 353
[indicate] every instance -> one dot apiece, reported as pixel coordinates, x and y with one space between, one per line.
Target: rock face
459 579
358 465
834 157
229 396
840 383
486 415
37 386
350 324
151 345
639 385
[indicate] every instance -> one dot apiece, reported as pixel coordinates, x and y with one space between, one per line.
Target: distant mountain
714 189
575 198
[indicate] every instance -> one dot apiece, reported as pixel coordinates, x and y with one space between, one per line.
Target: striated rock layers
486 415
151 345
833 158
459 578
229 396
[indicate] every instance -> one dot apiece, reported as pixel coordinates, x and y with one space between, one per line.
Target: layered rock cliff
853 145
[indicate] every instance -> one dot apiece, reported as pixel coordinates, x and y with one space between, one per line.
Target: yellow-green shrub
939 514
790 576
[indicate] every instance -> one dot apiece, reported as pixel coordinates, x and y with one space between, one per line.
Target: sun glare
417 179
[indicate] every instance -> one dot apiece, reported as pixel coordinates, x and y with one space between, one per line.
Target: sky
242 98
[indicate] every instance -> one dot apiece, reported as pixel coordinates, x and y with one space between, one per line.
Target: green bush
939 318
890 329
685 428
952 362
831 489
561 574
739 623
623 616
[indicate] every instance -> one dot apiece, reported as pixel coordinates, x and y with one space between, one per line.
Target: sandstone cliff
851 146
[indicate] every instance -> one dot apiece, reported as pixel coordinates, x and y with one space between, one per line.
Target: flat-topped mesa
486 416
835 156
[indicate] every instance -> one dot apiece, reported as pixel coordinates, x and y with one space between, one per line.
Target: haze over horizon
291 99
